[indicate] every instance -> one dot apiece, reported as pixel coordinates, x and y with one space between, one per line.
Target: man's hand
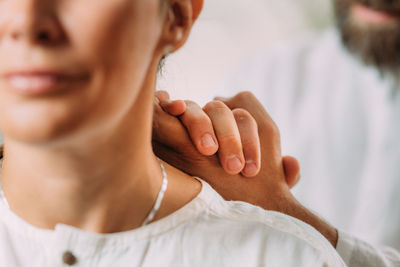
235 133
269 188
214 128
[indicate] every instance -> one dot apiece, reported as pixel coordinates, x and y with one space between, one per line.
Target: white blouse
208 231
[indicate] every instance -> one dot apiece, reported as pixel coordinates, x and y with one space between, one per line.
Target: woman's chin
39 126
36 134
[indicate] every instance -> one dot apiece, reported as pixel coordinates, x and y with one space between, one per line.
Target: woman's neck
107 182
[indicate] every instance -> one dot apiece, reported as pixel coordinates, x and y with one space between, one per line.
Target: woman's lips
372 15
39 83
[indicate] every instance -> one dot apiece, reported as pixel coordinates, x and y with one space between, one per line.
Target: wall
230 30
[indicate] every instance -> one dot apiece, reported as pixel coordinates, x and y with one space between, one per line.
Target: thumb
169 131
174 108
292 170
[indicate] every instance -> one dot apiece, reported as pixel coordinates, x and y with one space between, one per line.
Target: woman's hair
1 151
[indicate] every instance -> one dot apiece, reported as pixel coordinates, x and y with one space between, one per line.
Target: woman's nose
34 23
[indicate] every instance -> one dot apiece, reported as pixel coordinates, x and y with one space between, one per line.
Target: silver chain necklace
160 196
152 212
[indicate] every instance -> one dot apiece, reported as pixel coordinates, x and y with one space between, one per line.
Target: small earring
168 50
179 35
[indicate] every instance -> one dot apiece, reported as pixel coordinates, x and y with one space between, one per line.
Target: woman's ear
181 15
197 7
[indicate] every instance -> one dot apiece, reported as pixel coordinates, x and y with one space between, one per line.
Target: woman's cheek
98 26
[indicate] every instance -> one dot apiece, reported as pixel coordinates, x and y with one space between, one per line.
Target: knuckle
245 119
191 103
229 139
271 128
242 114
195 120
244 96
198 122
214 106
251 149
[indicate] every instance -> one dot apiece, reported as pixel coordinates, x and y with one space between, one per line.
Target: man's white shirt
341 119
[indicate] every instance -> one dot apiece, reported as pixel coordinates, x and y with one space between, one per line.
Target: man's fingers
200 129
268 131
249 102
250 141
230 147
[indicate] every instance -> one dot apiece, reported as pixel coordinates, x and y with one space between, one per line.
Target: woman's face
66 64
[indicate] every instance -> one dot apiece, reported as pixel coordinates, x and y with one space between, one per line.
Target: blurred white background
230 30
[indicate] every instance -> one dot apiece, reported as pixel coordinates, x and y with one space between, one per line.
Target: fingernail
250 167
234 164
207 141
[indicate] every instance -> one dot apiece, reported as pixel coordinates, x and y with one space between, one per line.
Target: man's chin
377 46
374 37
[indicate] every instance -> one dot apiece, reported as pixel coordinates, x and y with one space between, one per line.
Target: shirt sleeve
358 253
